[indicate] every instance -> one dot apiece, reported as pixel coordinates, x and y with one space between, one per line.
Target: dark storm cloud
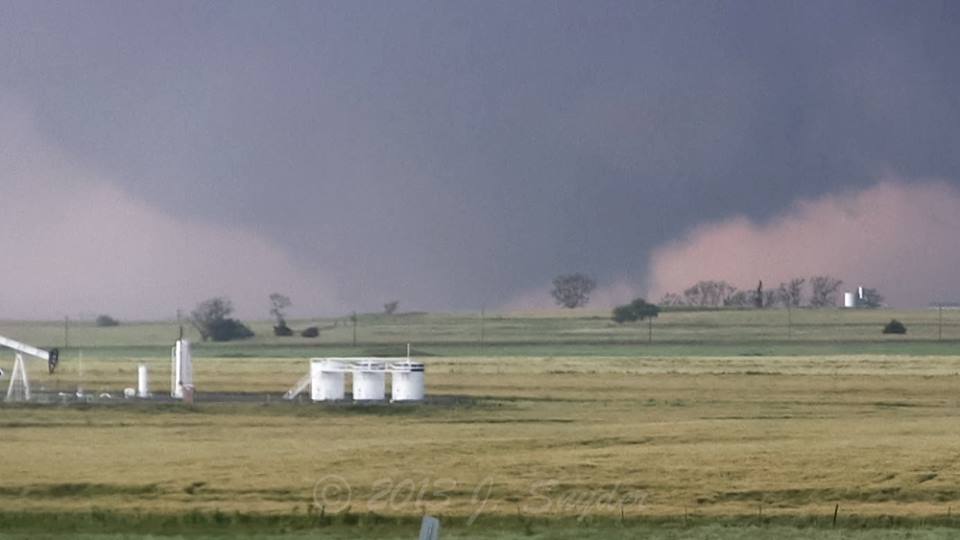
457 154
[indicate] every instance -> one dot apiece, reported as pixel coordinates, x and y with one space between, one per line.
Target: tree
759 298
637 310
391 307
824 291
278 305
572 290
671 299
742 299
709 294
104 321
212 319
791 292
871 299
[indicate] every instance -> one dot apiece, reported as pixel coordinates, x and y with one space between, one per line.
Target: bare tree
871 299
742 299
709 294
278 305
572 290
391 307
671 299
791 292
696 295
771 297
824 291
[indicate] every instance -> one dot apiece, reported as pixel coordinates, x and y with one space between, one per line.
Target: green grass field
556 426
577 333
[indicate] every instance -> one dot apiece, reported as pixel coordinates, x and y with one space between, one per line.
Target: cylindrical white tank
143 381
182 369
326 380
369 381
407 381
849 300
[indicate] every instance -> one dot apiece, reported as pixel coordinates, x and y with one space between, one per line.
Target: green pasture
773 332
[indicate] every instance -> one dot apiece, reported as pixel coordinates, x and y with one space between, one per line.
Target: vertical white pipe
143 381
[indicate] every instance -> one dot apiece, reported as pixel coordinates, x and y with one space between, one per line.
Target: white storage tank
181 372
327 380
407 381
849 300
143 381
369 381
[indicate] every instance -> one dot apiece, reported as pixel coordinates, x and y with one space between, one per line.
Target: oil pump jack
19 389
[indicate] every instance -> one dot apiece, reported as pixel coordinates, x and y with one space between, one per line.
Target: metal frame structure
19 388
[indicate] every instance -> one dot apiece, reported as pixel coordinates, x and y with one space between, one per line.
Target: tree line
818 291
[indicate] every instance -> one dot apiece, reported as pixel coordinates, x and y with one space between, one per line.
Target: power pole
482 329
353 318
789 319
939 322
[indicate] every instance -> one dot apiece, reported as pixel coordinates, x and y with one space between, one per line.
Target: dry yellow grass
541 436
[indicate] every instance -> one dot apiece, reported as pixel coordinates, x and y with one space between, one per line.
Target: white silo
326 380
181 372
369 381
143 381
407 381
849 300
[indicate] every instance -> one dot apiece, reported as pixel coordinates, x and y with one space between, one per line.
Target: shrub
894 327
229 329
282 330
311 332
104 321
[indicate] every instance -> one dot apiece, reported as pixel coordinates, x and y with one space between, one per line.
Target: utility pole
940 322
789 319
353 319
482 329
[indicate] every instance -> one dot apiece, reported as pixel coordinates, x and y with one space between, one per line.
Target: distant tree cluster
212 320
106 321
572 290
278 310
817 291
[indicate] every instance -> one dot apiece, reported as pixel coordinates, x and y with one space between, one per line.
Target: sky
457 155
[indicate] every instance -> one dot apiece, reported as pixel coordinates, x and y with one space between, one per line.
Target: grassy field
542 435
569 333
